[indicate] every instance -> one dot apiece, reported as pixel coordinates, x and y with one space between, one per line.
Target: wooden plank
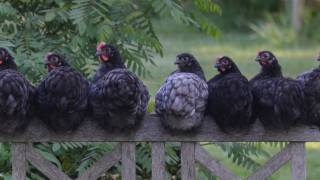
272 165
43 165
102 165
128 160
19 164
158 161
188 166
298 161
219 170
152 130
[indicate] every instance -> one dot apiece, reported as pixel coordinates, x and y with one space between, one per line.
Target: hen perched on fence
62 95
118 97
279 102
230 97
181 100
16 96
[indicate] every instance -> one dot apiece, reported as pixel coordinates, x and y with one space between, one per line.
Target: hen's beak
45 61
318 58
217 65
177 61
258 59
98 53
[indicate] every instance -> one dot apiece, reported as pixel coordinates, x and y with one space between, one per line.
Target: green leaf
6 44
82 28
56 147
50 157
50 16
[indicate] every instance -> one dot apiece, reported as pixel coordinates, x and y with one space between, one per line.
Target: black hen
305 75
181 100
16 96
278 102
311 81
62 95
117 97
230 98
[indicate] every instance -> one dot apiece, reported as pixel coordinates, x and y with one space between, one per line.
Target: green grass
242 48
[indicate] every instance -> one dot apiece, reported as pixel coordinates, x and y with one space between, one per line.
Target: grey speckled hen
62 96
118 97
181 100
16 96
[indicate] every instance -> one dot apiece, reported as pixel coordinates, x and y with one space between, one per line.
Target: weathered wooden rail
152 131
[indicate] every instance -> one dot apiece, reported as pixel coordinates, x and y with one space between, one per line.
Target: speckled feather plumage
118 98
62 98
16 101
181 100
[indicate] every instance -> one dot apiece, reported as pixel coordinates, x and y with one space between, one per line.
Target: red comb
101 45
48 54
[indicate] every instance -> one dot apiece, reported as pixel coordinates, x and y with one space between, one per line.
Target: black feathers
62 95
117 97
182 99
311 82
16 96
278 102
230 98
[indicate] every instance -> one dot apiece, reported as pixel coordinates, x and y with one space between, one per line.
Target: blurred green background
149 35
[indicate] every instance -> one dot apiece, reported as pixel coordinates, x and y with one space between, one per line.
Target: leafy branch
32 28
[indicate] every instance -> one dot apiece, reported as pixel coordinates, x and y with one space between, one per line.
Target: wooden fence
152 131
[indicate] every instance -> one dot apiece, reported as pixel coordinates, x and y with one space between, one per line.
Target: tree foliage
30 28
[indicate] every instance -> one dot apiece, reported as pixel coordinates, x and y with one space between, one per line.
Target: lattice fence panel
151 130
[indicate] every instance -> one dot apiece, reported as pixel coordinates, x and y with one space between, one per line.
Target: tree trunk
297 7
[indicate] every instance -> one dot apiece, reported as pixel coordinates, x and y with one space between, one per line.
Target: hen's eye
55 59
3 53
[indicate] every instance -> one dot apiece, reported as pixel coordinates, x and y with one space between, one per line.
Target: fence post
158 161
128 160
18 156
188 169
298 164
